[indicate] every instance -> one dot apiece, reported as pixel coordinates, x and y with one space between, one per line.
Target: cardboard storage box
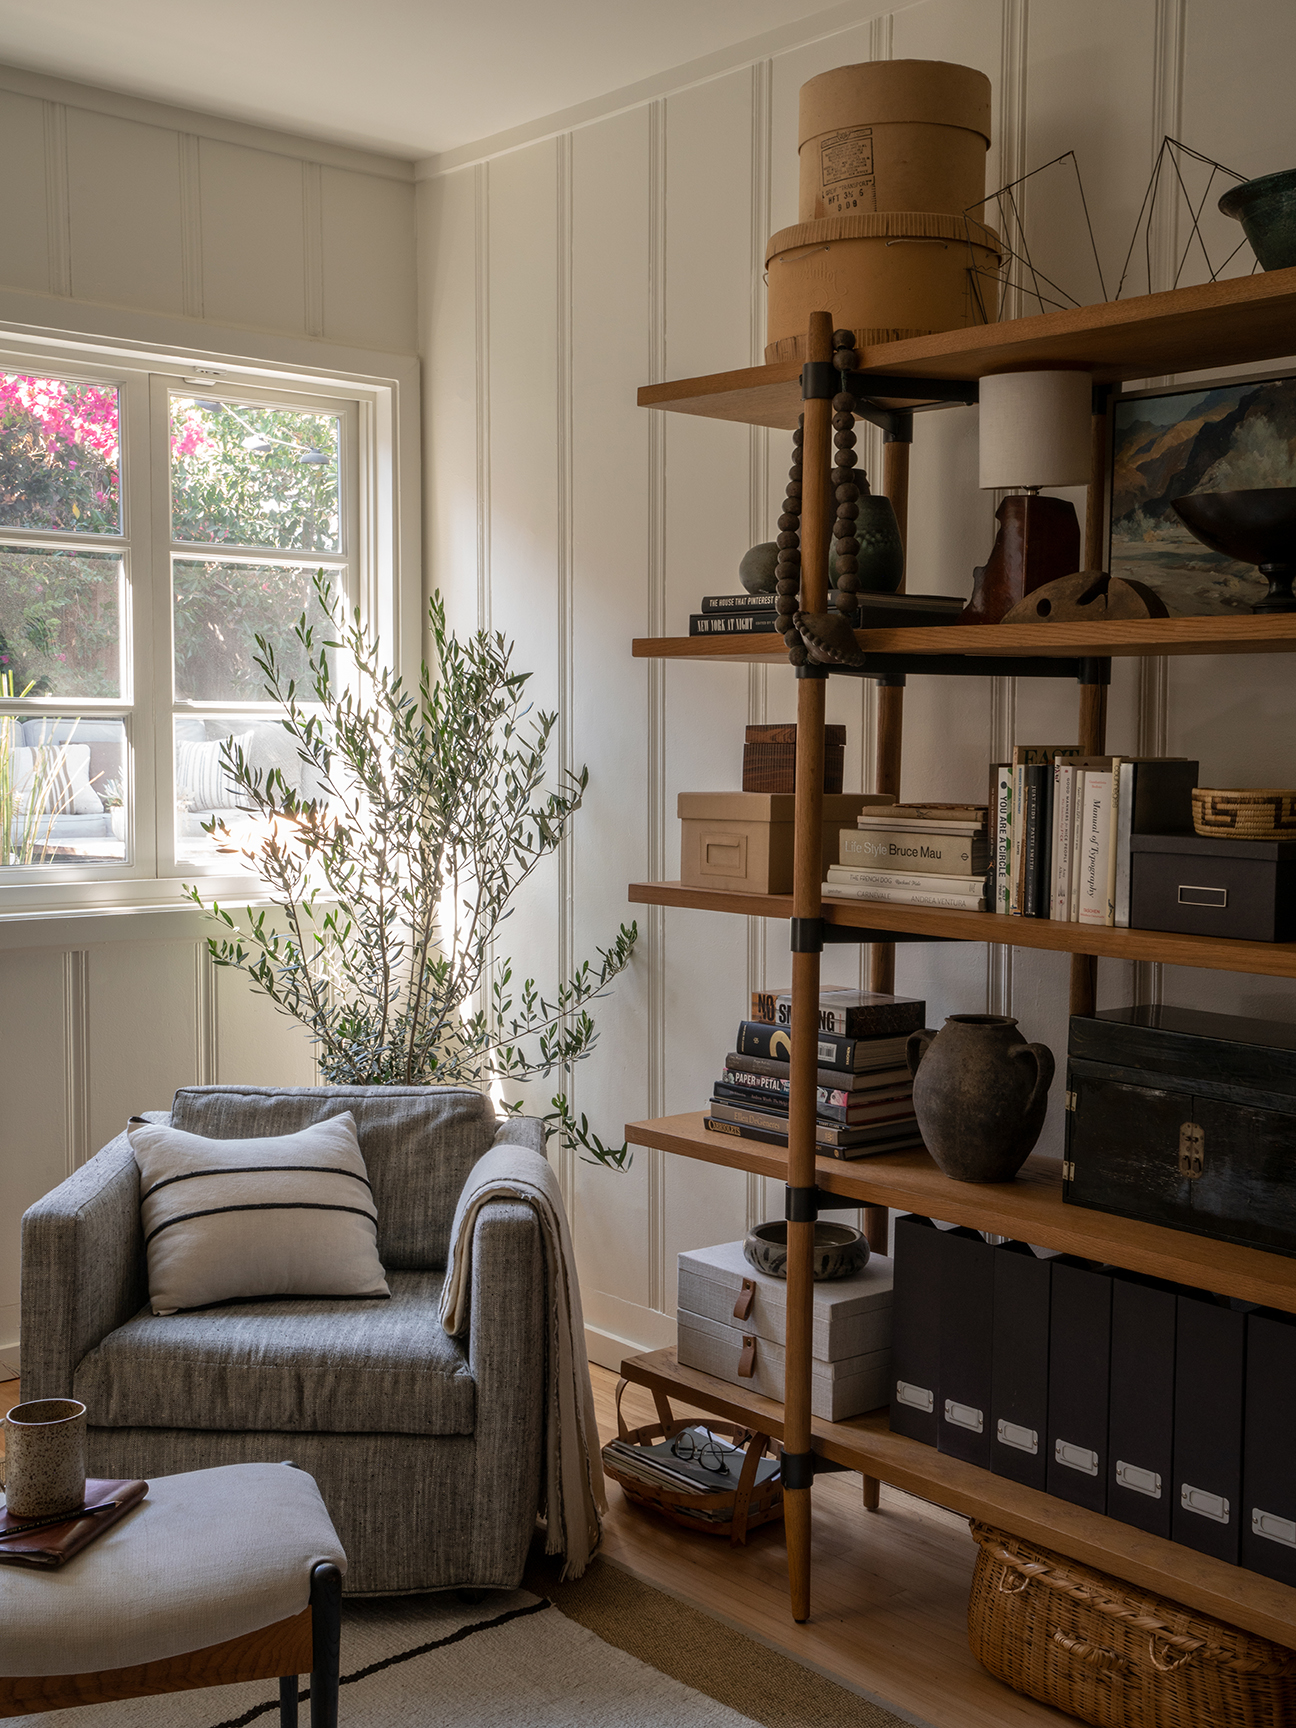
743 840
852 1330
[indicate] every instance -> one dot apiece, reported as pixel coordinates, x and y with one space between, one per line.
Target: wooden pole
1093 741
1096 497
807 902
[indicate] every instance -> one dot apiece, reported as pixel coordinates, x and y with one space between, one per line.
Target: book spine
753 1117
1109 883
773 1086
925 854
897 879
834 1079
867 1020
731 624
1032 844
1062 828
1055 844
1018 836
1077 847
1095 840
973 902
1003 837
755 603
1124 828
772 1137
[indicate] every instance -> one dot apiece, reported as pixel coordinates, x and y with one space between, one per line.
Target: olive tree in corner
394 864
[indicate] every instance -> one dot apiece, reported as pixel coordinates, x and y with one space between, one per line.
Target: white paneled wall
555 279
107 202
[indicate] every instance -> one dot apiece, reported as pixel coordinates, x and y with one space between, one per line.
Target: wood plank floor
890 1590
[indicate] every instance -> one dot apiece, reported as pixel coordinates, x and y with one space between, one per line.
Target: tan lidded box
743 840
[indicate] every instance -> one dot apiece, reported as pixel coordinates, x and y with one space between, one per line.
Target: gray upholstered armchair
426 1448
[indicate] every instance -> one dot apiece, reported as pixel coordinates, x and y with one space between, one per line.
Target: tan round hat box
903 273
893 135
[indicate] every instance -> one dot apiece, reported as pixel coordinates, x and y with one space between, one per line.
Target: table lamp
1035 431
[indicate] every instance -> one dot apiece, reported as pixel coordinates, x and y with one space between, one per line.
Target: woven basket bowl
1254 813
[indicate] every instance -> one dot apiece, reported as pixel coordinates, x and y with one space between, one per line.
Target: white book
1095 846
1077 808
1063 802
908 896
918 825
1002 837
843 873
1054 839
1017 840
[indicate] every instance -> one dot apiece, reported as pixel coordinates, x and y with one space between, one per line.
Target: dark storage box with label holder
1200 885
1186 1119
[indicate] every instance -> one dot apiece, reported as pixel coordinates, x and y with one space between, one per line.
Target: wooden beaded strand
787 586
850 483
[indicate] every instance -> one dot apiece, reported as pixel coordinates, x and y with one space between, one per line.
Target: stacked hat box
733 1324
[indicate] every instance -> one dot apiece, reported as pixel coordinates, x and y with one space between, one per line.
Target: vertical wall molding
881 36
206 1029
191 241
313 247
76 1056
658 1283
566 575
482 377
58 212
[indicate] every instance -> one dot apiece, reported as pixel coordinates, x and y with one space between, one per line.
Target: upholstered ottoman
217 1576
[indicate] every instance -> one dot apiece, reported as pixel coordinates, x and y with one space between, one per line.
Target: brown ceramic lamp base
1038 541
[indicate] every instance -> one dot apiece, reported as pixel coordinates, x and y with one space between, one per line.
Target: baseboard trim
609 1348
9 1360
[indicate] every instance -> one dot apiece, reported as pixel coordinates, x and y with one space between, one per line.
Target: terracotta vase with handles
980 1094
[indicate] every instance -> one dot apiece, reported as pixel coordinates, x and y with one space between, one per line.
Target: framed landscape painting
1167 443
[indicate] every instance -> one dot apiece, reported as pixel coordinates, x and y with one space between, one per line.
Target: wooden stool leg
871 1487
288 1701
326 1639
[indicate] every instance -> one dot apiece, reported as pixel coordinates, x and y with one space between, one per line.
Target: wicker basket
746 1507
1255 813
1116 1656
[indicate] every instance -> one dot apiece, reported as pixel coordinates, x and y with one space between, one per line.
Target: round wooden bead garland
787 584
850 482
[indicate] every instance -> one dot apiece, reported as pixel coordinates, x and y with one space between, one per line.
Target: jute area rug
611 1653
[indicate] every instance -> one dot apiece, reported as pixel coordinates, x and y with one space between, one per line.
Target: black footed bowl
1257 526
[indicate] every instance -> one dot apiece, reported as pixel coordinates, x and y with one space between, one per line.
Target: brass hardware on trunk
1192 1150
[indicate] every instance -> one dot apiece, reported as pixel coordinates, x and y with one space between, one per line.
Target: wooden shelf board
1029 1209
1135 638
1214 953
1243 320
866 1444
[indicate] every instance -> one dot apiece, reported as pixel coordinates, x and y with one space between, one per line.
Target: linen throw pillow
230 1220
200 772
58 776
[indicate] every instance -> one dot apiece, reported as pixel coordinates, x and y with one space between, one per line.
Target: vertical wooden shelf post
807 903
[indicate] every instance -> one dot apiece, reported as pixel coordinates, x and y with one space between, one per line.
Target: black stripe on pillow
261 1206
257 1170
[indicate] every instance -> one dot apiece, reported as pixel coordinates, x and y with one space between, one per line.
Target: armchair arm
83 1271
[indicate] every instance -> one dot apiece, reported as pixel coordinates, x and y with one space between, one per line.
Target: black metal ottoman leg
288 1701
326 1634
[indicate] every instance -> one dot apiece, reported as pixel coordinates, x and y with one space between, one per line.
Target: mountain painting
1222 439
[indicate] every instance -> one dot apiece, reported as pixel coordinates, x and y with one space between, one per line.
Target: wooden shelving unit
1221 324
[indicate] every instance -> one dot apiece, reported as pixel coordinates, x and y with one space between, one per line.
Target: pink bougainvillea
70 414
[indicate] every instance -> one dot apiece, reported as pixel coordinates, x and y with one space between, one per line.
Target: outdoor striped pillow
231 1220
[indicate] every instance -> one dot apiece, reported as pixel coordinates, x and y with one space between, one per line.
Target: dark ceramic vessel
839 1250
1266 208
980 1095
1255 526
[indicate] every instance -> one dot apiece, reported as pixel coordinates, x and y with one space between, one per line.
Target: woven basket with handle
1113 1655
742 1510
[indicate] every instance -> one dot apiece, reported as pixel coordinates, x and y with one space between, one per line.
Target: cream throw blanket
573 1492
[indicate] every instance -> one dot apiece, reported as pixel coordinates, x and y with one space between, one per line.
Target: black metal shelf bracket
893 669
812 935
803 1205
799 1469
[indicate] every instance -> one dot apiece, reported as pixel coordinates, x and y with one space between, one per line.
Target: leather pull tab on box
747 1359
746 1296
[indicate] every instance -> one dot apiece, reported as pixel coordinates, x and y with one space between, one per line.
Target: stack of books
1062 823
919 854
865 1092
734 615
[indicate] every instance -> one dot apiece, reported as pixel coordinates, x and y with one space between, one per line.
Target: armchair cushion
288 1367
418 1144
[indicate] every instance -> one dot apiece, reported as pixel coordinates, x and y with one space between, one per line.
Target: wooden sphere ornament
1087 597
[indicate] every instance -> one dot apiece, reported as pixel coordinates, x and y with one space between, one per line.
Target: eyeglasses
692 1447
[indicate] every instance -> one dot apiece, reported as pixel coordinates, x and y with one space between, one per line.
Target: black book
775 1136
756 603
732 624
1036 780
1020 1365
915 1328
1268 1481
1080 1300
1206 1493
1140 1449
966 1340
854 1055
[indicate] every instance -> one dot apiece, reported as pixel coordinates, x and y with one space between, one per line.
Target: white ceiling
412 77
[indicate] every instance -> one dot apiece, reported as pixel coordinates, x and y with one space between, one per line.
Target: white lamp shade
1035 429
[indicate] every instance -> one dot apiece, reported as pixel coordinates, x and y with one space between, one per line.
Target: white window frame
380 525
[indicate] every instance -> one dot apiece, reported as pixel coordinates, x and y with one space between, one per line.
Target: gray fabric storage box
852 1330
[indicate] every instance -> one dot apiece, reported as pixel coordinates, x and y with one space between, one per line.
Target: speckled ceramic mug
45 1457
